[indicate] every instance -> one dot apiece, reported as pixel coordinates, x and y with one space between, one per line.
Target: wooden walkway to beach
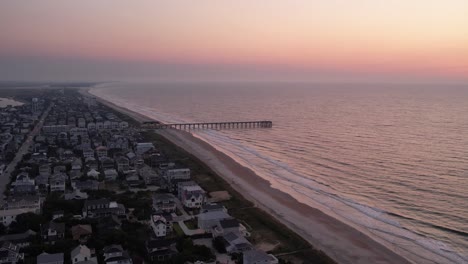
209 125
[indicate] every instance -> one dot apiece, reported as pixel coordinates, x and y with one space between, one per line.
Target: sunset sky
225 39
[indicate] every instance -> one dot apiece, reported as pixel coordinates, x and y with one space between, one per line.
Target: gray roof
49 258
112 248
212 207
252 256
214 215
79 249
229 223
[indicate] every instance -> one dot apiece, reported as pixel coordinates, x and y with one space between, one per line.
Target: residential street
5 177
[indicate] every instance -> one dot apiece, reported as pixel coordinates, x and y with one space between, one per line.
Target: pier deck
209 125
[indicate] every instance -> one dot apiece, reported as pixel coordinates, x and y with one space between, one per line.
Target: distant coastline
341 242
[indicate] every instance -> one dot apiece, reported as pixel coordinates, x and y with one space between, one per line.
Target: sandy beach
339 241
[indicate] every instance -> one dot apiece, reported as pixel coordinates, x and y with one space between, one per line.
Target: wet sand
338 240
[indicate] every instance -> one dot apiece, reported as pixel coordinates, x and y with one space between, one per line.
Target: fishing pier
210 125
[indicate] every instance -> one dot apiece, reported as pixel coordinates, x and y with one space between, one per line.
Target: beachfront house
191 194
226 226
176 174
258 257
209 220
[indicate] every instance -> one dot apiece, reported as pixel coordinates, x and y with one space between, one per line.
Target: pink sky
417 37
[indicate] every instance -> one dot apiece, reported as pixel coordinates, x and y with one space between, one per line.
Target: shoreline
338 240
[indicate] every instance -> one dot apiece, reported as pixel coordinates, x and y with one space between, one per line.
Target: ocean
388 159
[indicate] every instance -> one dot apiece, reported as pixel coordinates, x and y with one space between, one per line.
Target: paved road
5 177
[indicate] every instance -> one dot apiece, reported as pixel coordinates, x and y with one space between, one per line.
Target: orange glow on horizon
422 36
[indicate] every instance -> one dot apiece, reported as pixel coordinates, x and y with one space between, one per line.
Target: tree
27 221
2 229
191 252
218 244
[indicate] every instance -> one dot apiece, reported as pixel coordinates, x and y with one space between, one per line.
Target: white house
191 194
160 225
93 173
82 254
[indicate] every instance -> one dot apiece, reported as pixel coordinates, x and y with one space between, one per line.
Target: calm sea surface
391 160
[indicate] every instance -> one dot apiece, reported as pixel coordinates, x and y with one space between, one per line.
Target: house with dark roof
10 253
226 226
211 207
211 219
160 249
102 207
236 243
114 254
91 163
123 164
81 232
46 258
57 182
109 223
52 232
23 184
107 163
164 203
86 185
